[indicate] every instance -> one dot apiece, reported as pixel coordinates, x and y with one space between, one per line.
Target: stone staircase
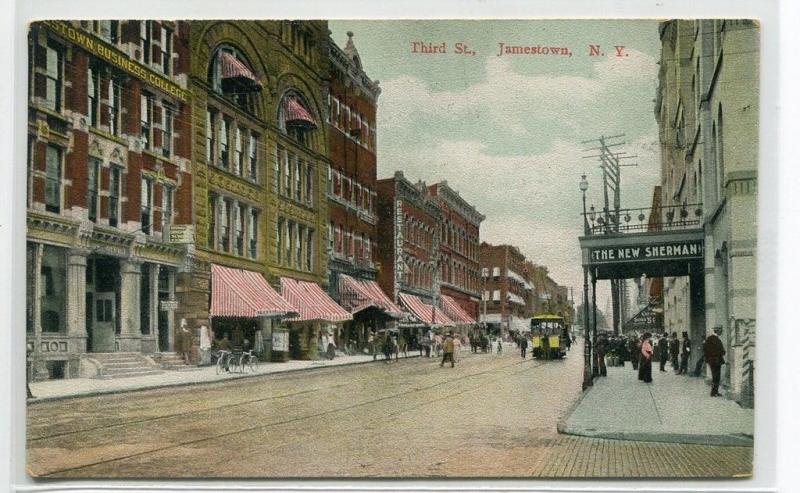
121 365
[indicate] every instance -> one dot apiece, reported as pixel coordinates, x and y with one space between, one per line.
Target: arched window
295 118
231 75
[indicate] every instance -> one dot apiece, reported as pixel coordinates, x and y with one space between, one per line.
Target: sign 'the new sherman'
668 251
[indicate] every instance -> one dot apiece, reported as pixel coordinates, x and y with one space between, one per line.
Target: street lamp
587 362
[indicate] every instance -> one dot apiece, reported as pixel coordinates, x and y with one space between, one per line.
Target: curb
94 393
735 440
561 425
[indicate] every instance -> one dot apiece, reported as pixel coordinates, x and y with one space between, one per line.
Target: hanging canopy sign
682 250
646 319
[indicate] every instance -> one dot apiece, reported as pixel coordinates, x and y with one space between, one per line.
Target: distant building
504 305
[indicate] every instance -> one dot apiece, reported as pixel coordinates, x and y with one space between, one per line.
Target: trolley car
549 336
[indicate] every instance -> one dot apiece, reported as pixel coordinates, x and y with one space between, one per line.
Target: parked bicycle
248 361
223 360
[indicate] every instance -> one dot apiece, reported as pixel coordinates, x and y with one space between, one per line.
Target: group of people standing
668 348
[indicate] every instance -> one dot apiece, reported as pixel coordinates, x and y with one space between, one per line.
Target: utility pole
610 163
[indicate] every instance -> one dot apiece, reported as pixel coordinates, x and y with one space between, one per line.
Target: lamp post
587 361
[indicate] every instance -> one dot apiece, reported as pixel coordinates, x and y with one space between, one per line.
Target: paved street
490 416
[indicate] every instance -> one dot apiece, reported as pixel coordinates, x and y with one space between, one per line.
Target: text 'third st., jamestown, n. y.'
460 48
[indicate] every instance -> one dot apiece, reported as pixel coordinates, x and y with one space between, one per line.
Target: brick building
109 180
459 248
352 198
409 220
260 155
506 291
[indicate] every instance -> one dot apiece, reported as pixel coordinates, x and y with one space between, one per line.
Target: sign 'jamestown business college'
684 250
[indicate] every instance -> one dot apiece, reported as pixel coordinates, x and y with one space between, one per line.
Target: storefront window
53 280
144 300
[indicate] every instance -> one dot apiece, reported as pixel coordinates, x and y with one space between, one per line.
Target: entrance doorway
102 303
104 322
164 316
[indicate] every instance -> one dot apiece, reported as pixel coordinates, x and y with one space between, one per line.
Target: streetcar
549 336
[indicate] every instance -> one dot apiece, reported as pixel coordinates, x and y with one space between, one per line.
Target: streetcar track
289 420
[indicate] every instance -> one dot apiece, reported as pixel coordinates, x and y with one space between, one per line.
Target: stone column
129 338
38 369
76 300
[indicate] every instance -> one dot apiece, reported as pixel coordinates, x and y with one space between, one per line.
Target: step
130 373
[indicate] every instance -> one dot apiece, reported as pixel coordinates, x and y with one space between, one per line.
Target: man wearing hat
714 352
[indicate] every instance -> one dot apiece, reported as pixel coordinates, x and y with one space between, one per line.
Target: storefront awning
243 293
295 114
311 302
454 311
357 295
424 311
234 70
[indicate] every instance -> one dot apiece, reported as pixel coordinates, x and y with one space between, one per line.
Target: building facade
707 112
408 239
506 291
109 189
459 248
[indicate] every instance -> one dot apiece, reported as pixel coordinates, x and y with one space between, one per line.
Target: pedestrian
569 343
634 349
371 345
388 348
663 351
646 359
449 347
396 348
456 349
600 350
686 349
401 341
186 343
523 346
714 354
499 346
674 351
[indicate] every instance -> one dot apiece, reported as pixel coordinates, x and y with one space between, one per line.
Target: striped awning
453 310
243 293
357 295
237 72
295 114
311 302
424 311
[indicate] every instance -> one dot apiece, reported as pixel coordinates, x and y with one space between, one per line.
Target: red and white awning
234 69
295 114
357 295
311 302
243 293
453 310
425 312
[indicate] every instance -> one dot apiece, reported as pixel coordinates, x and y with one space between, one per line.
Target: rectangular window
310 250
309 183
289 239
298 245
52 189
93 96
146 205
212 220
224 225
330 236
167 119
287 174
114 93
210 135
114 181
238 152
281 240
146 111
223 143
238 231
298 174
252 153
166 50
338 248
53 299
144 299
252 234
145 41
166 210
93 178
53 76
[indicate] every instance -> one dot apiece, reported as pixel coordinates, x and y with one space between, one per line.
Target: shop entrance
102 303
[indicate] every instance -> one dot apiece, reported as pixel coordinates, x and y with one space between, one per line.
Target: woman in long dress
646 363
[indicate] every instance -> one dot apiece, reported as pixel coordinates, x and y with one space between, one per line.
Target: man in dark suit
663 351
713 353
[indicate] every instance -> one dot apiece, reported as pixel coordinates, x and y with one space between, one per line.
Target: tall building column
76 300
130 336
697 311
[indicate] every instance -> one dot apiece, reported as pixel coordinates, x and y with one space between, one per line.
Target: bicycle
223 361
248 360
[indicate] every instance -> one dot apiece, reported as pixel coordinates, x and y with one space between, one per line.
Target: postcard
391 248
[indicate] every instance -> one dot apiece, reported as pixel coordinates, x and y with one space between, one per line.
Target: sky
506 131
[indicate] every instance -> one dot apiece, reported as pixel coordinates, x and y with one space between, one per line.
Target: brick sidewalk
82 387
671 409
